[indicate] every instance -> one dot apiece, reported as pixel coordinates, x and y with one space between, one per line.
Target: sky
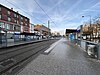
62 14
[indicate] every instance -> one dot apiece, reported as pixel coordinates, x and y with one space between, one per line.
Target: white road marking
52 46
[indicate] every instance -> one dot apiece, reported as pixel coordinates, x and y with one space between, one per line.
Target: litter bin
91 50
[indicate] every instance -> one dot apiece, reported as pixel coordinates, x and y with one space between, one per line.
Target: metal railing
85 44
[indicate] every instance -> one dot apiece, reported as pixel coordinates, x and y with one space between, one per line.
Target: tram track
20 57
16 52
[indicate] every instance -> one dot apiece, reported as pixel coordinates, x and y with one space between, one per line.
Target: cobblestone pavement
64 59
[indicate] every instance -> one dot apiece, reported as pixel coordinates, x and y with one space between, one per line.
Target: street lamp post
49 28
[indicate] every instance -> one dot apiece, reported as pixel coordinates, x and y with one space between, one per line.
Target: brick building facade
13 21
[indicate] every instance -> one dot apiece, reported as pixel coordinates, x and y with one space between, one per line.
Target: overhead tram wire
24 11
44 12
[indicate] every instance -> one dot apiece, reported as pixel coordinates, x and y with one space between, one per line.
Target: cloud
59 2
93 8
60 30
96 5
67 26
78 15
60 16
71 9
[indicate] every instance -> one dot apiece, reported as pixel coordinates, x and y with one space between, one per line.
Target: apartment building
13 21
41 30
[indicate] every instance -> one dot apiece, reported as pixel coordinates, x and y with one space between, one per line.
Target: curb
52 46
20 44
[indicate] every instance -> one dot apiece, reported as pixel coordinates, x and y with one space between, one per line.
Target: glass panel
1 24
8 26
0 16
17 28
11 27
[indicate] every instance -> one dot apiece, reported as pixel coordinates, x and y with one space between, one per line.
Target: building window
9 19
7 26
26 20
21 22
0 8
21 18
17 28
11 27
15 15
26 24
15 21
8 12
1 24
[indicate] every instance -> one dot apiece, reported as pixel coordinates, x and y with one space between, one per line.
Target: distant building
13 21
93 30
87 29
56 34
41 30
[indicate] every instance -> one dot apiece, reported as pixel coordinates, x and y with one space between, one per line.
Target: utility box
91 50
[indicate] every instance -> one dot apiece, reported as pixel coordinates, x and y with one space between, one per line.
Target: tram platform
65 58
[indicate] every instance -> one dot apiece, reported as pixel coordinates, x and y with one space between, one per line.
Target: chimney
11 8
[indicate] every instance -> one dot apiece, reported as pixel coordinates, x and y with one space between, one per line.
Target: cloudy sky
63 13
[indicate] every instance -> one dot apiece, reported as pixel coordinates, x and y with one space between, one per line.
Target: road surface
65 59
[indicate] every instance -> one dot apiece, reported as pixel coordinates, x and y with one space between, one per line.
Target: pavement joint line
52 46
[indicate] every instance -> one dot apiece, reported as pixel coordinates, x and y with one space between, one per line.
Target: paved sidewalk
65 59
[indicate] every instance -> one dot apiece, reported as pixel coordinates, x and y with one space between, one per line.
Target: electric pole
49 28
